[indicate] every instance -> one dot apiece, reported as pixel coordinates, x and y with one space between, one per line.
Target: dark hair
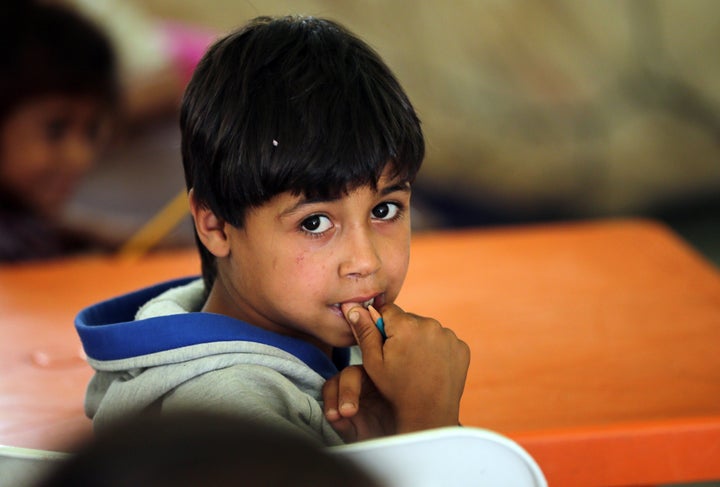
196 448
52 49
293 104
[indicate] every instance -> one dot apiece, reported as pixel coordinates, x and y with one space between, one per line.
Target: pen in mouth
377 318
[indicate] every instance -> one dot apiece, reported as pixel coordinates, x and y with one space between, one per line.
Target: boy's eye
316 224
385 211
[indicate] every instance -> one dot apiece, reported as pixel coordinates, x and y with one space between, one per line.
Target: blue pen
377 318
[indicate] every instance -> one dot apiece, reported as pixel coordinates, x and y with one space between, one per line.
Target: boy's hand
420 368
355 408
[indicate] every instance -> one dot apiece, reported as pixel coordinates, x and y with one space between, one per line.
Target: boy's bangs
338 136
342 153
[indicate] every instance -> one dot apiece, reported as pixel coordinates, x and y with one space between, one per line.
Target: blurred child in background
58 96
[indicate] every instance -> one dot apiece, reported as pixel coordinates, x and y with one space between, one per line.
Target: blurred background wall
533 110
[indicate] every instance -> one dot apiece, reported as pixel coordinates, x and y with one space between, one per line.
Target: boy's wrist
409 421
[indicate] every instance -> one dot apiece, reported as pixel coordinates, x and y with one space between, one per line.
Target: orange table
594 344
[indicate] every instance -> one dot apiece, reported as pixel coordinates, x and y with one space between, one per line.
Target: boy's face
294 261
46 146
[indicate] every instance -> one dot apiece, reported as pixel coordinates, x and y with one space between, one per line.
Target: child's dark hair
190 448
293 104
49 49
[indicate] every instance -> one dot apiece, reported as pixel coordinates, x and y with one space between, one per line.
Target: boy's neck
215 303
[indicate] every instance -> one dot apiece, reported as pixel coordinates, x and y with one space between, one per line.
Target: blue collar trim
108 331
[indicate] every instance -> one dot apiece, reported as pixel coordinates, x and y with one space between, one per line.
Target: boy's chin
343 341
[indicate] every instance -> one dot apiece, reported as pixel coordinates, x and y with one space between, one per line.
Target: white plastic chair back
22 467
455 456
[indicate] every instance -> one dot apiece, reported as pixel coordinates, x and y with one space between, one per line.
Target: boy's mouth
364 304
374 301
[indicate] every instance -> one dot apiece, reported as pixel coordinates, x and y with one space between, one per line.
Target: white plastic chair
22 467
456 456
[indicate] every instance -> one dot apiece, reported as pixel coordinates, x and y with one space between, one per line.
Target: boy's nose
361 255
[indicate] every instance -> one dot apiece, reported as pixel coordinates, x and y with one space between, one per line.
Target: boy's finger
368 337
350 388
392 311
330 398
346 429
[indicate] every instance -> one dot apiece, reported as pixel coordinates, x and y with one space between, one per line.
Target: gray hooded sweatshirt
153 350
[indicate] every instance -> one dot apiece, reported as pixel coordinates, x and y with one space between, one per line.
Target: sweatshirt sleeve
256 392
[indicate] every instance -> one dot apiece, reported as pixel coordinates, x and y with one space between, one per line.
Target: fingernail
353 316
347 406
332 414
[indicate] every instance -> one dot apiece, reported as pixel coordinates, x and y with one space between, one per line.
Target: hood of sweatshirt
148 345
151 326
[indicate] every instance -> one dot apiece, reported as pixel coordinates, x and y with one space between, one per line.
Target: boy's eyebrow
402 186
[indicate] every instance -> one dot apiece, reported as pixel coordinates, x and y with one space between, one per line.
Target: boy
299 148
58 93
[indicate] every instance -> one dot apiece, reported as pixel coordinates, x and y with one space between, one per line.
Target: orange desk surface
595 345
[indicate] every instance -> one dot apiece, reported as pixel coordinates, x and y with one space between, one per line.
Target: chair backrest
22 467
457 456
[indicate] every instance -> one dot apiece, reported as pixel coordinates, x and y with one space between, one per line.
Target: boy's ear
209 227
